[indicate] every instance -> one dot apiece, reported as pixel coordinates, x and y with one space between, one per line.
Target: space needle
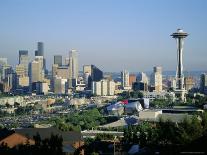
180 89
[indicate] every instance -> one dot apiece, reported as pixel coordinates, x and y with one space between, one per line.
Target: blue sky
112 34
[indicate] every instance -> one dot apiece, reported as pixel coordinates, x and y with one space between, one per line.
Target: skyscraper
40 52
58 60
24 60
36 71
203 83
180 90
40 49
125 79
156 79
73 64
92 73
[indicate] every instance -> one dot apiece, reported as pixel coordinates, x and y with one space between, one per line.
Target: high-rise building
103 87
132 79
42 88
203 83
40 59
40 49
73 64
111 87
22 81
60 71
67 61
125 79
20 70
156 79
40 52
189 83
36 71
59 85
93 73
58 60
24 60
3 62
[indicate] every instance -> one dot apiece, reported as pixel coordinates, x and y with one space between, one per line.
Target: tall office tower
96 73
189 82
40 52
73 64
203 83
125 79
40 49
132 79
93 73
58 60
24 60
156 79
180 90
36 71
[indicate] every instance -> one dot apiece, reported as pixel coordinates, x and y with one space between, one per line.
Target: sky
111 34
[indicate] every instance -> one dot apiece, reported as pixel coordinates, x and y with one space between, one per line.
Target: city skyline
112 35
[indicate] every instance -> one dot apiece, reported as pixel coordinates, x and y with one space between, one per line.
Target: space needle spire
180 89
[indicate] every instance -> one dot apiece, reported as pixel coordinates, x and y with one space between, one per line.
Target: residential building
103 88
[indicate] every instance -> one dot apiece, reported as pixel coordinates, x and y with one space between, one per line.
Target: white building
103 88
42 87
73 64
156 79
125 79
133 107
111 88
